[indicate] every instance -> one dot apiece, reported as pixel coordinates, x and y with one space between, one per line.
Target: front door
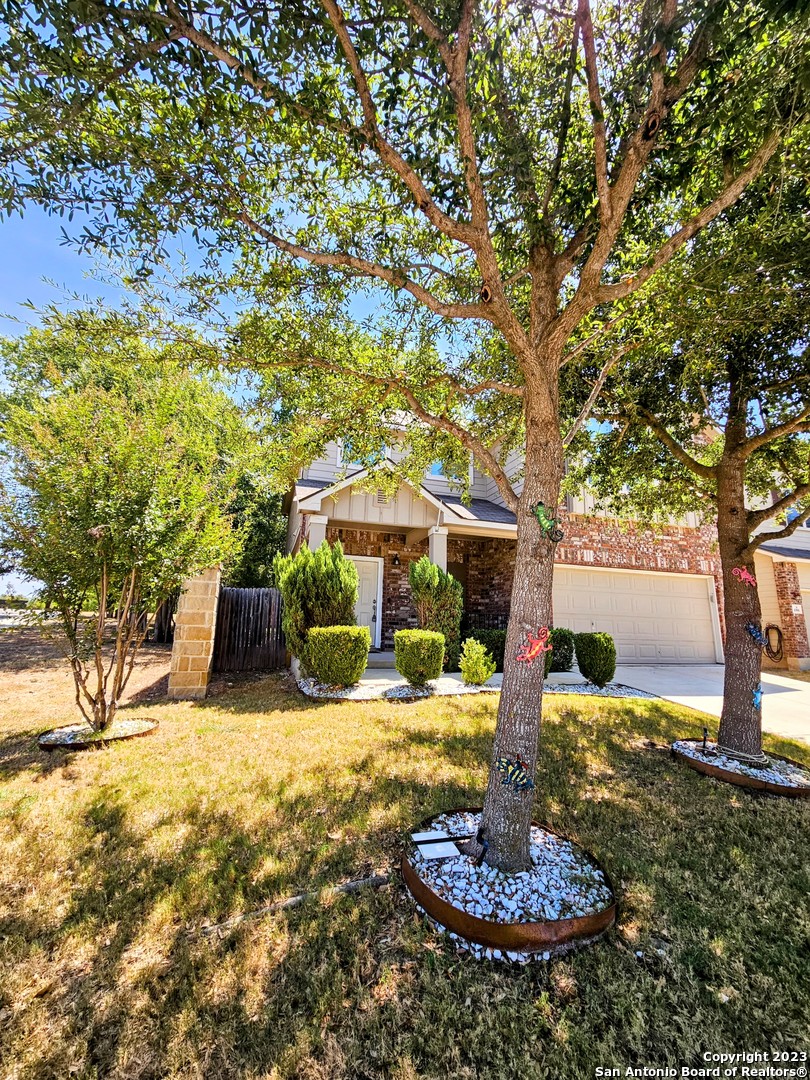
369 599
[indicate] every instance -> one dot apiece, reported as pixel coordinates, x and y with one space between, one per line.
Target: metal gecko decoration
757 696
550 526
514 773
744 575
757 634
535 645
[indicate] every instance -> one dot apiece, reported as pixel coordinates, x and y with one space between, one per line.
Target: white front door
368 609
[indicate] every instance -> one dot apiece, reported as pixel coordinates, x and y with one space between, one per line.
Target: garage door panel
653 618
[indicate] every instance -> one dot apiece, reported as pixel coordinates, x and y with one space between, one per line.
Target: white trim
312 502
380 571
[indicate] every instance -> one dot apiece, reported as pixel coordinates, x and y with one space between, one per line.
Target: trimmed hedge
418 655
337 655
596 657
476 663
562 654
494 641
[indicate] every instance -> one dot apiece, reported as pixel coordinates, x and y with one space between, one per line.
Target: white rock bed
450 688
81 733
778 771
562 884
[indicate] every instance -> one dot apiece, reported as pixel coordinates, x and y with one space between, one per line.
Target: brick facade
488 564
794 628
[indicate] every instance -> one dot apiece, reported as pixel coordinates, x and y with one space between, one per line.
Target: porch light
395 560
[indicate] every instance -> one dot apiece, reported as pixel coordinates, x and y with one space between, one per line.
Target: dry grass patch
111 859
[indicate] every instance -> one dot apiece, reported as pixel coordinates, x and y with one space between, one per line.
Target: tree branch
367 268
390 385
597 111
621 289
757 517
565 123
707 472
466 233
790 427
594 394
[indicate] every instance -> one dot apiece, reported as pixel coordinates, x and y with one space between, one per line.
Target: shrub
318 588
477 664
494 641
337 655
439 601
596 656
561 657
418 655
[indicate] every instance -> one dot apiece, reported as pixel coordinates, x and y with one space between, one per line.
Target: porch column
791 611
437 546
317 530
194 630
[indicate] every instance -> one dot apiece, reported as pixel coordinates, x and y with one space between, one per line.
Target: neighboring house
659 593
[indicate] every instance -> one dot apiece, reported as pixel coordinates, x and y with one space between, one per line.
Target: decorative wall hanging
535 646
514 773
744 575
549 525
757 635
757 697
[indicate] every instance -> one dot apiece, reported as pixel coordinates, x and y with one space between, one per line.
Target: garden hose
776 652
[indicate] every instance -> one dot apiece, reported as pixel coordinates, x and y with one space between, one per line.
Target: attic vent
382 498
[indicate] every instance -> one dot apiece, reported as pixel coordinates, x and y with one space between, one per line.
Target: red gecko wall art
535 645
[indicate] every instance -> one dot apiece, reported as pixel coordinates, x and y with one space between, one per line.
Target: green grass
110 859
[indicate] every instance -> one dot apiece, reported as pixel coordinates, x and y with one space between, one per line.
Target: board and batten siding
406 510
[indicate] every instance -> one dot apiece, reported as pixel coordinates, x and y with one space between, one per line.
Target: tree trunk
741 721
508 810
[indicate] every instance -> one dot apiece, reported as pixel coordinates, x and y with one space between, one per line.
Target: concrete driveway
785 702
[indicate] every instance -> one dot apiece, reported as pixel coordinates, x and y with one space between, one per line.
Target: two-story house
659 593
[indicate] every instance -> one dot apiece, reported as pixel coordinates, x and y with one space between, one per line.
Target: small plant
418 655
561 657
477 664
439 601
337 655
596 657
494 641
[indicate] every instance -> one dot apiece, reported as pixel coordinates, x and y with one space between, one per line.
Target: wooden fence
248 634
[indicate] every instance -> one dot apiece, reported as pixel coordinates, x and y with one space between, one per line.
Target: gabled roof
311 493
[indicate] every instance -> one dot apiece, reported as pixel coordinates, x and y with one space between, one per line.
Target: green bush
337 655
561 657
596 656
318 588
439 602
418 655
476 663
494 641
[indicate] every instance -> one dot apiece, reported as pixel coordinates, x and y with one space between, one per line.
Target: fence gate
248 635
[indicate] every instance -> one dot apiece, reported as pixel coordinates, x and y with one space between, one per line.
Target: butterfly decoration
757 696
744 575
514 772
549 525
757 635
535 645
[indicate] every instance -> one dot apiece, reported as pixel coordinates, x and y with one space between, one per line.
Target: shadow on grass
712 886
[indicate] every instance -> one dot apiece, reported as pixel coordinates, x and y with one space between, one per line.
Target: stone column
437 546
317 530
791 616
195 625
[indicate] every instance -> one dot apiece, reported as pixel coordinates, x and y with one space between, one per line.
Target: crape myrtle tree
117 467
512 170
709 410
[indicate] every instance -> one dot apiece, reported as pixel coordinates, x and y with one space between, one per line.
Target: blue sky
30 250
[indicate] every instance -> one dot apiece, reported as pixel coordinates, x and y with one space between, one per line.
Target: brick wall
194 627
794 628
489 564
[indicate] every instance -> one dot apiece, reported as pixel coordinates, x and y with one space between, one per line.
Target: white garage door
653 618
804 583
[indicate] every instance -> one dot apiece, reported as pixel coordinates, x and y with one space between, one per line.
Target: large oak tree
511 169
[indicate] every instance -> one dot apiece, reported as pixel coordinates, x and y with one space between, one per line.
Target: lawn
113 859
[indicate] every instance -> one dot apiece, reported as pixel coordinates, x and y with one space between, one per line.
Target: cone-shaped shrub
439 601
318 588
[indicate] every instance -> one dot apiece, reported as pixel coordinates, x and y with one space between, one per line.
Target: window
436 469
